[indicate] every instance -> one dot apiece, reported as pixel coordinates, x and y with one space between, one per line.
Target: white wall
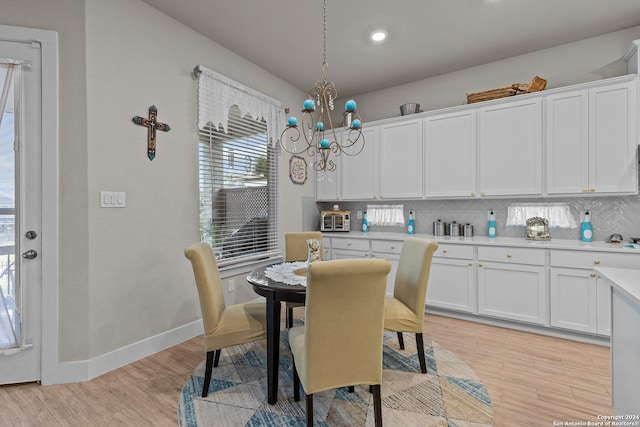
587 60
141 283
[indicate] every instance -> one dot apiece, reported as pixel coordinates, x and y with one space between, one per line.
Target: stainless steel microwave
335 220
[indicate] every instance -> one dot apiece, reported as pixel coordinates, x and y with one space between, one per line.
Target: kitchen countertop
566 244
625 280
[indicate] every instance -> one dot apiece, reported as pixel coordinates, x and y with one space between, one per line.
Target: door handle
31 235
30 254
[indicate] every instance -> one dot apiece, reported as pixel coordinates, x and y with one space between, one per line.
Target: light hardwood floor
533 380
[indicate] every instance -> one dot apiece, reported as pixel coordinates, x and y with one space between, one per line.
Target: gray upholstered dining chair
297 249
223 326
326 353
404 311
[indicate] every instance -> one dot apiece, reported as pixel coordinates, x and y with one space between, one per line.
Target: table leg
273 348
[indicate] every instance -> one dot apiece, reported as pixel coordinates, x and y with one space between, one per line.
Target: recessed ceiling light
379 35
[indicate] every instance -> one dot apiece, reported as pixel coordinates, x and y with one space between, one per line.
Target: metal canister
439 228
455 229
468 230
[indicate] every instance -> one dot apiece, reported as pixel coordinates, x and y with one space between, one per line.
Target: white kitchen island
625 339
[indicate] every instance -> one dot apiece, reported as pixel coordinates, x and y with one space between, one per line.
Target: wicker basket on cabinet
537 84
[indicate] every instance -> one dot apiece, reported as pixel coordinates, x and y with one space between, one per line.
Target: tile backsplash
609 215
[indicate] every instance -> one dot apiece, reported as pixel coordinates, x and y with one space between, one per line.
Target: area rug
449 394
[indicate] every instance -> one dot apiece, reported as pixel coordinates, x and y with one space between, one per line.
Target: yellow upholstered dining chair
326 353
223 326
297 249
404 311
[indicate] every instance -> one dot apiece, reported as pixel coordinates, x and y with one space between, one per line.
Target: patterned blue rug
449 394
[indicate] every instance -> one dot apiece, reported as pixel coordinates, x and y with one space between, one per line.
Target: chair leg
309 410
289 317
207 372
217 358
352 389
296 383
377 405
420 345
400 340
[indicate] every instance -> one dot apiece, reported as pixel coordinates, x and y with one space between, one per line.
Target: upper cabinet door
511 148
568 142
450 155
328 182
401 160
359 172
613 141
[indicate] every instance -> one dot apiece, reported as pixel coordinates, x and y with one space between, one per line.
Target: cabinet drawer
387 246
354 244
588 260
512 255
454 251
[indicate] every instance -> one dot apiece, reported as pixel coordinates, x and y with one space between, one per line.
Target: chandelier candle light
319 139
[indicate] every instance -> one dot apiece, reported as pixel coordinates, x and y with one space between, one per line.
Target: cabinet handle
473 194
482 193
480 265
585 190
348 244
597 261
592 190
444 251
593 274
509 255
470 264
393 247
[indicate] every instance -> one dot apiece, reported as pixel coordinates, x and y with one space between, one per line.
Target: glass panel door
9 315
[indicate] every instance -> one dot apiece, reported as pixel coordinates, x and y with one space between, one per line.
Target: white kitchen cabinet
346 248
388 249
511 148
452 279
327 188
512 283
359 176
400 160
568 142
591 140
450 155
573 300
328 182
580 299
612 139
343 248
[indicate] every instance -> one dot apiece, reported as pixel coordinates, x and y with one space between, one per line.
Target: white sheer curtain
217 93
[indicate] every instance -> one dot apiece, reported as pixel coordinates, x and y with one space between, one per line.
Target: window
238 171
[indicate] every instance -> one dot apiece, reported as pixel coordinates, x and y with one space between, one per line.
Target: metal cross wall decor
152 124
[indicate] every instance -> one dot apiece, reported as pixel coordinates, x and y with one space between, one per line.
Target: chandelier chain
324 32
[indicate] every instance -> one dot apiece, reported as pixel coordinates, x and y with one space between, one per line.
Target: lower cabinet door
512 291
451 285
573 299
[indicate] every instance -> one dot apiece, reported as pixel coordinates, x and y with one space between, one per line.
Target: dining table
277 283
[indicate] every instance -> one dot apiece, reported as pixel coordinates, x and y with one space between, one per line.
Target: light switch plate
112 199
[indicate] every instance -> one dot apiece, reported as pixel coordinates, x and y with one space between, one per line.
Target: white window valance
217 93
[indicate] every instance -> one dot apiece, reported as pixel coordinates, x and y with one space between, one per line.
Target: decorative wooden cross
151 125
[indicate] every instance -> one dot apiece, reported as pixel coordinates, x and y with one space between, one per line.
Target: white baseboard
84 370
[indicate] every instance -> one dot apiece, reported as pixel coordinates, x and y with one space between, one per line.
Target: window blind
238 170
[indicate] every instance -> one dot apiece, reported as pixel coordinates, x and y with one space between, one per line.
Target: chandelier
316 126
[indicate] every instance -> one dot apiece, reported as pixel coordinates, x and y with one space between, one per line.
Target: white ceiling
426 37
